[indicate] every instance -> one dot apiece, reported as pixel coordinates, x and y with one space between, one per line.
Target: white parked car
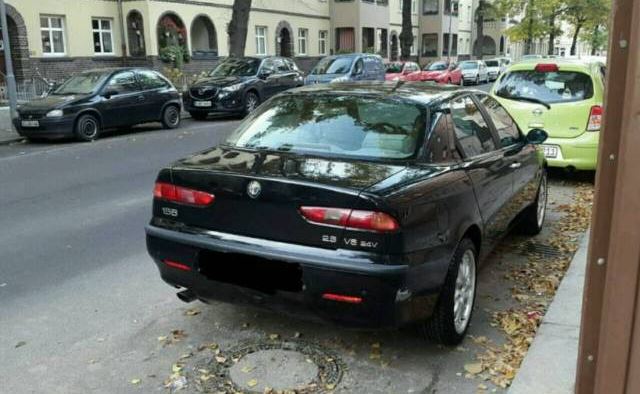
495 67
474 71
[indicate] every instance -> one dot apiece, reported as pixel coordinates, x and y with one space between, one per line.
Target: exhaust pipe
186 296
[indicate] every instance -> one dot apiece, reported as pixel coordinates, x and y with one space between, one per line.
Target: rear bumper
48 127
580 153
390 296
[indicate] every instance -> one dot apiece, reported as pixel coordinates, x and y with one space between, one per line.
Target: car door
486 165
358 71
269 78
523 157
123 101
155 91
286 77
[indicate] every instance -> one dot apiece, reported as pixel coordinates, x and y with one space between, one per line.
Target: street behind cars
565 97
238 85
90 102
369 205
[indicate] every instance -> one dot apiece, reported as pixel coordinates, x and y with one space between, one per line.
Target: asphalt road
82 308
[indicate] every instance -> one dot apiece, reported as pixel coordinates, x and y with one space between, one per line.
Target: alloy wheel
251 103
172 116
464 291
541 202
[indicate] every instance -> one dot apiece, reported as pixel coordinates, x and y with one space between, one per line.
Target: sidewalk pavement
550 364
7 133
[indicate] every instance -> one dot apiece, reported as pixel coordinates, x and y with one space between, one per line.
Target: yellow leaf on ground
473 368
252 383
136 381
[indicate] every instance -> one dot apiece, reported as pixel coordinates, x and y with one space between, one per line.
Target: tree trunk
574 39
552 33
594 40
479 29
529 40
406 35
237 28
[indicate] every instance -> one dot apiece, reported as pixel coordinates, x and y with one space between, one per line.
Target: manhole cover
275 368
280 365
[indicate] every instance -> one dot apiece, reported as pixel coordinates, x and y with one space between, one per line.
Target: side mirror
537 136
108 93
265 73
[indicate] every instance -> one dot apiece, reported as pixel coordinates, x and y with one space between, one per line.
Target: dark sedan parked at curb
90 102
369 205
238 85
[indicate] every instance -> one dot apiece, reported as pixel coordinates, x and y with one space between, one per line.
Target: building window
102 41
429 7
430 45
52 35
445 45
414 7
368 40
302 41
451 7
261 40
345 40
322 42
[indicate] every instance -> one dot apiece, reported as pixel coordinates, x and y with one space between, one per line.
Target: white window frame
414 7
322 41
262 37
51 29
303 38
100 30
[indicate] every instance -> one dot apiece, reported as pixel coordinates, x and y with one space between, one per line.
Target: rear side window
441 146
507 129
124 82
151 80
550 87
472 131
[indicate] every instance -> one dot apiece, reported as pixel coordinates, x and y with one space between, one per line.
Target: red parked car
402 71
442 72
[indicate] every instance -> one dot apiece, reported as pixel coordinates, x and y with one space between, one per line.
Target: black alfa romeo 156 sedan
370 205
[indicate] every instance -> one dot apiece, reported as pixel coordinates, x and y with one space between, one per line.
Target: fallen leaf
473 368
20 344
252 383
136 381
273 337
221 359
192 312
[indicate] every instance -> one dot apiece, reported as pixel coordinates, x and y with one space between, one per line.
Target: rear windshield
438 66
492 63
335 65
353 126
550 87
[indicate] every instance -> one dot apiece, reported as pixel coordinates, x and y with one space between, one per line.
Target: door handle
515 165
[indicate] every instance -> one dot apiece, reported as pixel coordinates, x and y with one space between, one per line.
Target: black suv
94 100
239 85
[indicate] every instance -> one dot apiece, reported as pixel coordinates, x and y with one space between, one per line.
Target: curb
550 364
11 140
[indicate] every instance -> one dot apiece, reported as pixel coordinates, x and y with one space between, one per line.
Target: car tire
478 80
461 81
251 102
171 117
449 324
87 128
534 215
198 115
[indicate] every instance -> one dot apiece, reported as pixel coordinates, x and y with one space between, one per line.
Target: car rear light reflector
595 118
546 67
182 195
351 218
342 298
177 265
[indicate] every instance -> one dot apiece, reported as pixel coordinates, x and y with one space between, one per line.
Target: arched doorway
135 34
19 46
488 46
204 40
172 40
394 45
284 40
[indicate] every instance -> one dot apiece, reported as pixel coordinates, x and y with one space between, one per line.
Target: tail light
546 67
182 195
595 118
177 265
342 298
351 218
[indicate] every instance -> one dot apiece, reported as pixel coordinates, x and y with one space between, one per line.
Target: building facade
54 38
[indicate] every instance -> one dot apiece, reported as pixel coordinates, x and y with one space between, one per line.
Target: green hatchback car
563 97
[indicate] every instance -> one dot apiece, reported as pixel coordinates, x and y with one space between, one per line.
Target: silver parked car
474 71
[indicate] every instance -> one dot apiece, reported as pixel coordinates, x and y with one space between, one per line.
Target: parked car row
466 72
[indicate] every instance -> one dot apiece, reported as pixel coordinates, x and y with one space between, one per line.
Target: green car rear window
550 87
